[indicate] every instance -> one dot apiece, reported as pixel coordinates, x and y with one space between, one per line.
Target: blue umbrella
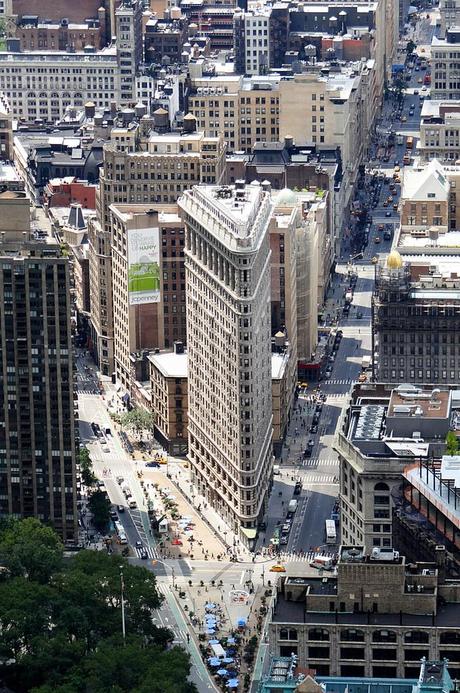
230 641
222 672
241 622
210 605
211 631
227 660
213 642
232 683
214 661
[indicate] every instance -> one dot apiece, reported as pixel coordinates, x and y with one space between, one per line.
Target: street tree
30 549
99 506
86 467
137 420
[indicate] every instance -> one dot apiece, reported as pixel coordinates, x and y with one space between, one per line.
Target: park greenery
60 620
451 443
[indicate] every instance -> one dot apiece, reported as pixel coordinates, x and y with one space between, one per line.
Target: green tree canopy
137 420
30 549
86 467
99 505
63 633
135 667
451 443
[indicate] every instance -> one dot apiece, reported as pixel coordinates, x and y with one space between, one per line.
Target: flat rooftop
8 173
170 364
285 611
434 404
279 362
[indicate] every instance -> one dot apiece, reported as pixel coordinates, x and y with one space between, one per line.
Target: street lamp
173 574
123 622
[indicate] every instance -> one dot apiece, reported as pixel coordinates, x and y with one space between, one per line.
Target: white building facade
227 261
41 85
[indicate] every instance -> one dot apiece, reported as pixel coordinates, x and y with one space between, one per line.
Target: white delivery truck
292 507
322 563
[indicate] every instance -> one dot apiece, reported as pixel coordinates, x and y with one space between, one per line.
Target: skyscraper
227 271
37 424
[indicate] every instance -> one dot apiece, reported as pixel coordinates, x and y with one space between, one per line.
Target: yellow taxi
278 568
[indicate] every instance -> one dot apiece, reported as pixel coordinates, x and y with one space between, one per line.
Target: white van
322 563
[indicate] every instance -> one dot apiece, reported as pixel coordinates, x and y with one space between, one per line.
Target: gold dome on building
394 260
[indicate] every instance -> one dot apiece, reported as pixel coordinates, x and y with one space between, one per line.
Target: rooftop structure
375 615
286 676
383 430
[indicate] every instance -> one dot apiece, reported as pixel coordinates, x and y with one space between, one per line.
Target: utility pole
123 622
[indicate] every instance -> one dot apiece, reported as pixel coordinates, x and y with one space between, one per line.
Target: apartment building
245 110
252 41
169 398
376 615
382 430
41 85
445 70
128 30
36 34
6 129
100 291
425 198
284 383
449 12
326 112
37 431
228 341
146 314
439 131
144 167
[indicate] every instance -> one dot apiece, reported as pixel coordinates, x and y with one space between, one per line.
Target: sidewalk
230 542
201 542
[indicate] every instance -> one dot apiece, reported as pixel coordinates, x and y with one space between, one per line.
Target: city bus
410 142
120 533
331 533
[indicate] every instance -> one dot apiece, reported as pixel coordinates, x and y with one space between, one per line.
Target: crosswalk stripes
315 462
333 381
320 479
302 556
180 635
87 391
164 588
151 552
